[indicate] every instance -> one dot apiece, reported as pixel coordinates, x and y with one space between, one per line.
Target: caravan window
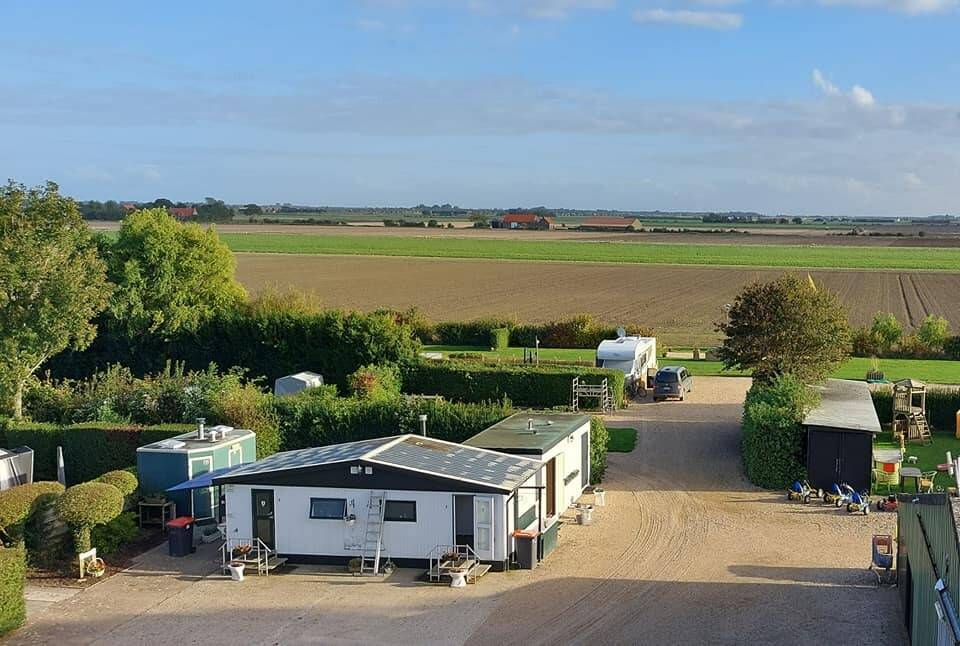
328 508
400 511
623 366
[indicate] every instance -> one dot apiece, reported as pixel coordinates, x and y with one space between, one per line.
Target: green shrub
499 338
376 383
581 331
86 505
123 480
13 607
18 503
44 535
524 385
773 443
112 535
598 449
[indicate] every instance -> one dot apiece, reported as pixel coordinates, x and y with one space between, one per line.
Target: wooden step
477 571
275 561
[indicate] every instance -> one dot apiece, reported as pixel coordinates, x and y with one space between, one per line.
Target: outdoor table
910 472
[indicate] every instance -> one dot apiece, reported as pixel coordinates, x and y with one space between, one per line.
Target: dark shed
840 435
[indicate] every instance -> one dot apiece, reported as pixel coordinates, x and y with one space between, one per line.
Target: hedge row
582 331
524 385
598 449
942 407
13 608
89 450
268 340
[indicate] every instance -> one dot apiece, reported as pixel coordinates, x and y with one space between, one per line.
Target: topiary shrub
16 505
86 505
13 608
499 338
598 449
375 383
773 443
111 536
123 480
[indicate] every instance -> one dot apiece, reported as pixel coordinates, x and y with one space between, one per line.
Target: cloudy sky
779 106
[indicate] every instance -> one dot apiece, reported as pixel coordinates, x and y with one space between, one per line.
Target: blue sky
780 106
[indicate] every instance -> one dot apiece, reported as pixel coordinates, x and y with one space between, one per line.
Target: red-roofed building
129 207
611 223
182 212
525 221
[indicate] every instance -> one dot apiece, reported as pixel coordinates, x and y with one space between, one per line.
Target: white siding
297 533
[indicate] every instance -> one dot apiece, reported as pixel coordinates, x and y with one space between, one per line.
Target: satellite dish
621 332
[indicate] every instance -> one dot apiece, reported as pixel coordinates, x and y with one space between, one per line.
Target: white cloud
826 86
539 9
859 96
720 20
912 7
862 97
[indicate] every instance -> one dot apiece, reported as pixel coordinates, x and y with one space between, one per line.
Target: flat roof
512 435
844 405
189 441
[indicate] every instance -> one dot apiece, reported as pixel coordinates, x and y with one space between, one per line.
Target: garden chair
926 481
886 474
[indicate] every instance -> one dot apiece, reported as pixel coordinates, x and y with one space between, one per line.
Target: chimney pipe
200 422
423 425
530 426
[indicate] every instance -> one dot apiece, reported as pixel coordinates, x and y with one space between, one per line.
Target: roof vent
200 422
530 426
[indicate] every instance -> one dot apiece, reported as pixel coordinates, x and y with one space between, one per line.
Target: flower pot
236 571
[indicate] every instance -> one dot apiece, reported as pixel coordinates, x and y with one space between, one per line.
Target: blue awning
202 481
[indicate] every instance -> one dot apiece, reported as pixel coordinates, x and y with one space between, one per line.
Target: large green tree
786 326
170 277
886 331
52 282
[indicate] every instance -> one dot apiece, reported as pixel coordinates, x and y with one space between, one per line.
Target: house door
235 455
551 492
201 500
483 527
856 459
823 458
463 520
584 460
264 526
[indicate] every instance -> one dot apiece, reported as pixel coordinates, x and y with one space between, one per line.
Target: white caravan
634 356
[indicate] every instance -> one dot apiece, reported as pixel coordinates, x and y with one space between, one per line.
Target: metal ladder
373 534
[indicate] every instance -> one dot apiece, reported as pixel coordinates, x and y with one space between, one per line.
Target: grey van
672 381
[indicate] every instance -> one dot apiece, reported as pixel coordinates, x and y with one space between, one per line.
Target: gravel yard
686 551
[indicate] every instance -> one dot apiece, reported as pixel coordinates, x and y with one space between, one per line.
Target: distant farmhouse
182 212
525 221
611 223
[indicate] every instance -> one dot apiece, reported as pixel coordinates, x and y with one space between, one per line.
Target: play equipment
881 562
859 502
887 504
910 411
803 492
838 495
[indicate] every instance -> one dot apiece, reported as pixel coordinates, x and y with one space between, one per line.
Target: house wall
568 453
298 534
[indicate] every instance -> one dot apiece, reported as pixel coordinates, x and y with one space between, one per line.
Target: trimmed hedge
499 338
598 449
317 421
86 505
17 503
524 385
942 407
13 607
581 331
89 450
122 479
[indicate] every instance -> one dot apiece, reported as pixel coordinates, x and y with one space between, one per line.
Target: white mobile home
634 356
321 504
560 442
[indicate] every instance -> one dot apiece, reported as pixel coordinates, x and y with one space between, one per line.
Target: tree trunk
18 402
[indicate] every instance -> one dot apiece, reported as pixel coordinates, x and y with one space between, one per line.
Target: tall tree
169 276
787 326
52 282
886 331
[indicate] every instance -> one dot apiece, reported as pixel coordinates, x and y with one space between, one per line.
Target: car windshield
667 377
625 367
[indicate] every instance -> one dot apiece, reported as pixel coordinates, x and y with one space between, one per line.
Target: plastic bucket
586 515
599 496
236 572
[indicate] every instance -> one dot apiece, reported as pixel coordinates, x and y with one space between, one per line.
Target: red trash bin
180 536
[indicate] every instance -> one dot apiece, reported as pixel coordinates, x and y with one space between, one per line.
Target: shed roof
512 434
609 221
406 452
189 441
844 405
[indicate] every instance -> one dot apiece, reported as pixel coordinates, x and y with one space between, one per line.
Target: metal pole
423 425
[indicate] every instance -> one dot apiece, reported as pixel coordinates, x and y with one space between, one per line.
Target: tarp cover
202 481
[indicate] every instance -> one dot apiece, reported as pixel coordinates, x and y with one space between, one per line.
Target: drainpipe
423 425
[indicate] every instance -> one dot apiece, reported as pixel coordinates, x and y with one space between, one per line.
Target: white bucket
236 571
458 579
599 496
586 515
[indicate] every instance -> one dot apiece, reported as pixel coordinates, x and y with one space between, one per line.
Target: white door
201 500
235 455
483 527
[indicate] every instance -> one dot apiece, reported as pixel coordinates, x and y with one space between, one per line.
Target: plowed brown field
681 303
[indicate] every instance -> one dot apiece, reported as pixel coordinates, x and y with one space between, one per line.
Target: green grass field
832 257
621 440
930 370
928 457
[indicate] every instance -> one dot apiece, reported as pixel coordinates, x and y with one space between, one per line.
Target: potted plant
874 375
236 570
242 550
96 568
353 565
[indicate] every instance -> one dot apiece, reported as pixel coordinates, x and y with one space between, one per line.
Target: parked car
672 381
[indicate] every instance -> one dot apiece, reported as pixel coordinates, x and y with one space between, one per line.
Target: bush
773 443
123 480
18 503
934 332
598 449
13 607
581 331
499 338
86 505
114 534
524 385
377 383
951 348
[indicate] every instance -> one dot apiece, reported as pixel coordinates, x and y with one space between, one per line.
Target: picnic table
913 473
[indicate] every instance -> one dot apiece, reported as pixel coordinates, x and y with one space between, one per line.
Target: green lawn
928 457
930 370
617 252
621 440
